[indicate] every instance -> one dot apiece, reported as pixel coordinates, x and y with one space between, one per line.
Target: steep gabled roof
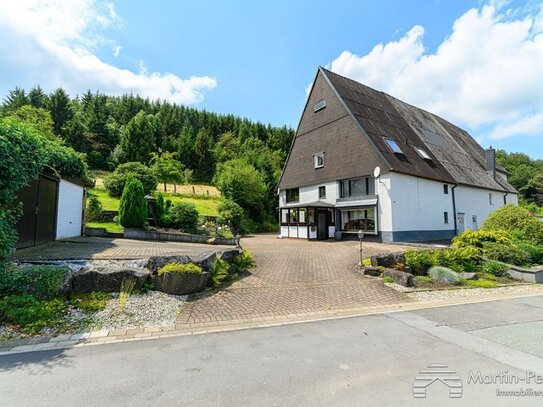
455 157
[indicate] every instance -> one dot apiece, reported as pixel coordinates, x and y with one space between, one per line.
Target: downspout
454 210
505 198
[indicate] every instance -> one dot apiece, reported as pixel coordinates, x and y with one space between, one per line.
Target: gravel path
428 296
153 308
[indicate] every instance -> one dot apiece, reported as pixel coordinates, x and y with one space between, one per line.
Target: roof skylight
394 146
422 153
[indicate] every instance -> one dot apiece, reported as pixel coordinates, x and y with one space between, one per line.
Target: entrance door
461 222
322 226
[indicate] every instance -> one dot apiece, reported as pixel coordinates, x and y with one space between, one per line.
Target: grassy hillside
206 206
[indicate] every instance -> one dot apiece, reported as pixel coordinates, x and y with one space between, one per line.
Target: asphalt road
361 361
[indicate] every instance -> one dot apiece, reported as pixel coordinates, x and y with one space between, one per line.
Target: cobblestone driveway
294 277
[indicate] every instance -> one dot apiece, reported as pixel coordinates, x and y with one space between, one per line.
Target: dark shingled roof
455 156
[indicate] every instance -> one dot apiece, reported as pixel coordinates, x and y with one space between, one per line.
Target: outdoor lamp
361 236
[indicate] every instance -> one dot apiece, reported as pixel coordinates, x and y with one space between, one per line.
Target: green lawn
206 207
110 226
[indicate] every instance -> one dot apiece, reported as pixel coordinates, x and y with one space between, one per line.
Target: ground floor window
358 219
294 216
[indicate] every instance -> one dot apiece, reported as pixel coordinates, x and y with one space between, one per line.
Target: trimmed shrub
91 302
181 268
116 181
516 219
43 282
243 262
133 205
388 280
479 237
535 252
505 253
496 269
443 274
459 259
93 209
183 215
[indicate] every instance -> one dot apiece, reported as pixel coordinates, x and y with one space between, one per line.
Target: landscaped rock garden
490 258
77 296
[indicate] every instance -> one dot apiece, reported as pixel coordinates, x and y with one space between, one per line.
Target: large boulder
204 260
230 254
100 278
387 260
372 271
180 283
399 277
156 262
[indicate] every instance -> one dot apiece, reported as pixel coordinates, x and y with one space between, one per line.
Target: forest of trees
112 130
526 175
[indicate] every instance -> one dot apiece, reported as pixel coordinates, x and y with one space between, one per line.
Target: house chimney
491 162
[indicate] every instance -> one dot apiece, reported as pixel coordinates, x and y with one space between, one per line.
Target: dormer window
422 153
393 146
318 160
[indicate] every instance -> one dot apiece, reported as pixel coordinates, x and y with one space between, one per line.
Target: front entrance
38 220
322 225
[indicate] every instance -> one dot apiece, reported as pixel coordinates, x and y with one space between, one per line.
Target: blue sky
475 63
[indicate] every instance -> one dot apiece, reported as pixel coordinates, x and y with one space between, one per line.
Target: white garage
70 209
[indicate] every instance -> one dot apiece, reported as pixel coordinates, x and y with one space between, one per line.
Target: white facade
405 208
70 210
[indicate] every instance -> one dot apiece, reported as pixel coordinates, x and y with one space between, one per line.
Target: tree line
112 130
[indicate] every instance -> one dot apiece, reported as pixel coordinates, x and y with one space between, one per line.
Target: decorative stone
204 260
372 271
399 277
468 276
387 260
229 255
99 278
181 283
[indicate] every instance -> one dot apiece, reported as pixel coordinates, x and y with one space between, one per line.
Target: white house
363 160
52 208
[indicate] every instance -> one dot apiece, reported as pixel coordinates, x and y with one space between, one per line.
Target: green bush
423 279
219 271
535 252
116 181
30 314
482 283
44 282
183 215
459 259
496 269
93 209
388 279
443 274
505 253
159 208
133 205
516 219
479 237
243 262
181 268
420 261
231 214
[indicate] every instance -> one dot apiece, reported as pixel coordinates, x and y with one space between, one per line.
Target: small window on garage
446 218
322 192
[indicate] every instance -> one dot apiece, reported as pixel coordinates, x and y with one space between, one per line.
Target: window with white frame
393 146
358 219
422 153
318 160
357 187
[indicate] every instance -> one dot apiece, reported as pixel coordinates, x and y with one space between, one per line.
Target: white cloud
54 42
486 75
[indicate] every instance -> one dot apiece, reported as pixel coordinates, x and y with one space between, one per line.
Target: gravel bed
75 265
153 308
426 296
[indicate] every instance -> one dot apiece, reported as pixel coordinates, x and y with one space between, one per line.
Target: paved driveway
295 277
99 248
